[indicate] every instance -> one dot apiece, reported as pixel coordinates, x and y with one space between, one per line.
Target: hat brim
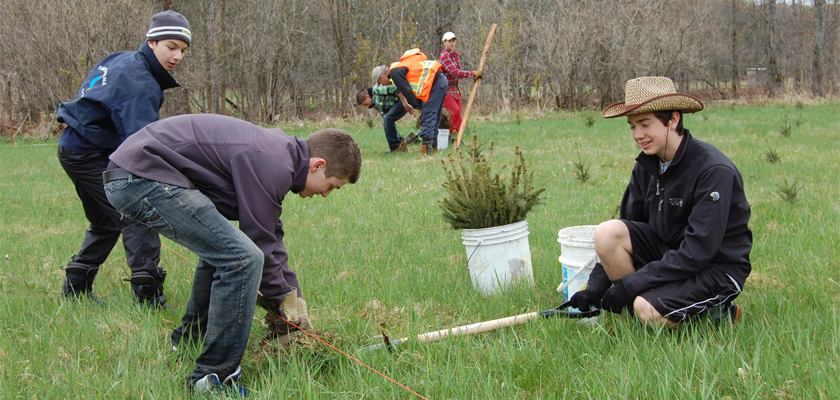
669 102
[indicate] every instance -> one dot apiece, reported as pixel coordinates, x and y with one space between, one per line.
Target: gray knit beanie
169 25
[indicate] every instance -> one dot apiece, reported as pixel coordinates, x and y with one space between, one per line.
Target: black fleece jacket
697 206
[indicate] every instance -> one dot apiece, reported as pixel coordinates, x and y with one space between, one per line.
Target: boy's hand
287 308
616 299
585 300
477 75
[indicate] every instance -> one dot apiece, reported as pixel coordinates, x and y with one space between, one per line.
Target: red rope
322 341
352 358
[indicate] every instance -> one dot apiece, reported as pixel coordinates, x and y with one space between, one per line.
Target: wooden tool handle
474 87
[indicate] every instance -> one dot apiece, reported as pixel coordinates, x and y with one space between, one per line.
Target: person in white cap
680 249
451 61
121 94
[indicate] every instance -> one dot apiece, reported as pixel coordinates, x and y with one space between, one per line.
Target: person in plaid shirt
386 101
451 61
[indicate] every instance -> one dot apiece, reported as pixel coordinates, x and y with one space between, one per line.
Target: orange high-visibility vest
421 72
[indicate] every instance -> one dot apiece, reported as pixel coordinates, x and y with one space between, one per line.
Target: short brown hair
361 95
344 159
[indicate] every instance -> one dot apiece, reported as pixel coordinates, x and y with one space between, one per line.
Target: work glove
616 299
303 315
585 300
477 74
286 309
280 331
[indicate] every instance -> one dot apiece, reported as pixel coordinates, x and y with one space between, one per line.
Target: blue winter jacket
120 95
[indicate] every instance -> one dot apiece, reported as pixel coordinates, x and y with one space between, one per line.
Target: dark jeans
142 245
430 119
389 121
228 274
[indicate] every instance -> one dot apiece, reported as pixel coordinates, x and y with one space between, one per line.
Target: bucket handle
589 263
473 253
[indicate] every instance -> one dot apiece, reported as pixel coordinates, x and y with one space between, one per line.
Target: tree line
271 60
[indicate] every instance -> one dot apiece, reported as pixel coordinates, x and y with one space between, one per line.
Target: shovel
487 326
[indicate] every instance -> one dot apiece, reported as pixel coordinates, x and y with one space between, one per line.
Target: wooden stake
474 88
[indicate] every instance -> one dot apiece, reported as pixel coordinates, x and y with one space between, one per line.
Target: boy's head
449 41
169 37
363 98
654 110
334 160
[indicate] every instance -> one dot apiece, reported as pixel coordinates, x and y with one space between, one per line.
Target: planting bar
486 326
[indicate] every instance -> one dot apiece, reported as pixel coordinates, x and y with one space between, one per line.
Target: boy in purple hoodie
187 177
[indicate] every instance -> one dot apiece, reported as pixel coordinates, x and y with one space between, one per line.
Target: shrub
478 197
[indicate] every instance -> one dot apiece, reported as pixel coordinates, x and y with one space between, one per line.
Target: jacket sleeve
398 75
136 112
703 235
260 207
633 203
451 67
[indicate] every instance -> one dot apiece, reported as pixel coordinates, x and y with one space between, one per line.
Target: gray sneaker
229 387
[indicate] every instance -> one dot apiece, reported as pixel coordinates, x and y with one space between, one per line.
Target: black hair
665 116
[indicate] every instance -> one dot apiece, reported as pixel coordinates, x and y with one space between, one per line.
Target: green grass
377 256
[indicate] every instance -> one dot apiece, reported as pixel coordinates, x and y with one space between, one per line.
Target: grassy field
377 256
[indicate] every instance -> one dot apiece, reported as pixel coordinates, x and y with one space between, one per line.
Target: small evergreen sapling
477 197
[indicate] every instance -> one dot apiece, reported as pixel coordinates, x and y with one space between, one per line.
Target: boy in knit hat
120 95
681 248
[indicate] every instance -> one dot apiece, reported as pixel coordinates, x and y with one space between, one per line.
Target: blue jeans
389 121
430 119
228 274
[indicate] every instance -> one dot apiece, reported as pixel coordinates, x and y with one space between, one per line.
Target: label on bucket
577 284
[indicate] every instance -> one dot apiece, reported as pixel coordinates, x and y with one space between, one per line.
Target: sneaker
229 387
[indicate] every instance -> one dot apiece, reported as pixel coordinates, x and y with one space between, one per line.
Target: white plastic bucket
577 257
443 139
499 257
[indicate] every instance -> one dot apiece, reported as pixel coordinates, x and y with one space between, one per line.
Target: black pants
142 244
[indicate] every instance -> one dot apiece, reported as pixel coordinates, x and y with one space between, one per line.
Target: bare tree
775 81
819 48
733 29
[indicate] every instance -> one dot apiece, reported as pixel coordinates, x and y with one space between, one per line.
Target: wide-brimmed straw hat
652 93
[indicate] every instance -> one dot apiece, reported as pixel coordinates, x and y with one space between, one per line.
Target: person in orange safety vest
421 84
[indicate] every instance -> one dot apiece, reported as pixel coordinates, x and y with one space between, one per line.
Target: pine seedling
477 196
590 119
370 122
581 170
771 155
786 128
788 190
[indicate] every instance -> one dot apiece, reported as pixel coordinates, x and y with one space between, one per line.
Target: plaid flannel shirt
384 97
451 61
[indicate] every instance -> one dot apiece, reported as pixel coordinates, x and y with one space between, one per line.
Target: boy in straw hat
681 248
